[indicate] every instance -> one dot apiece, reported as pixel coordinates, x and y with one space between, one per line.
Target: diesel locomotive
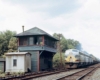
75 58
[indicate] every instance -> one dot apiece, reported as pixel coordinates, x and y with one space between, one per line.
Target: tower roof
34 31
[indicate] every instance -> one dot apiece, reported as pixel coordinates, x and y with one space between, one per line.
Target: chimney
23 28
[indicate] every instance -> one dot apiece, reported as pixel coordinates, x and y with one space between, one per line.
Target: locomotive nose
70 59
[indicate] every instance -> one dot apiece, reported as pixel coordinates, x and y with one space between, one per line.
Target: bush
57 61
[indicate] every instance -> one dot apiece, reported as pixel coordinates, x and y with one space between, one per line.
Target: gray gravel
56 76
96 75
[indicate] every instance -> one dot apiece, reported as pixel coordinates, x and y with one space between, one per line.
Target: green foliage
57 60
2 74
5 37
67 43
12 45
17 73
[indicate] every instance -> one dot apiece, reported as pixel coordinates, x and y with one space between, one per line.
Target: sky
75 19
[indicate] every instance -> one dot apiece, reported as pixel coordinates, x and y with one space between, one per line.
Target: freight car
75 58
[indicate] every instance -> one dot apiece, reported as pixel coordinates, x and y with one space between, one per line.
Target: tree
63 42
5 37
12 45
67 43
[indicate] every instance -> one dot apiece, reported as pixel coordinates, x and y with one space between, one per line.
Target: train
75 58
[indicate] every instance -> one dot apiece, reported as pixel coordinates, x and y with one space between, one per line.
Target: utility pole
59 35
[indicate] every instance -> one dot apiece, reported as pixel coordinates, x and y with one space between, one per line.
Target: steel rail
86 74
33 75
79 77
38 74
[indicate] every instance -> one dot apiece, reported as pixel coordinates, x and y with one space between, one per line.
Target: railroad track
81 75
74 74
33 75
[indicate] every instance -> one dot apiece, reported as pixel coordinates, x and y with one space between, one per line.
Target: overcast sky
75 19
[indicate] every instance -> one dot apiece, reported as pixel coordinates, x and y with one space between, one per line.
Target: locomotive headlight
65 59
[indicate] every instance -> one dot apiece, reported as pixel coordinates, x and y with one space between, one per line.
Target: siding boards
34 60
28 48
2 66
50 49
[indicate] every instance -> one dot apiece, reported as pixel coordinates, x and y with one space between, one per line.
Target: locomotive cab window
14 62
74 50
77 56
